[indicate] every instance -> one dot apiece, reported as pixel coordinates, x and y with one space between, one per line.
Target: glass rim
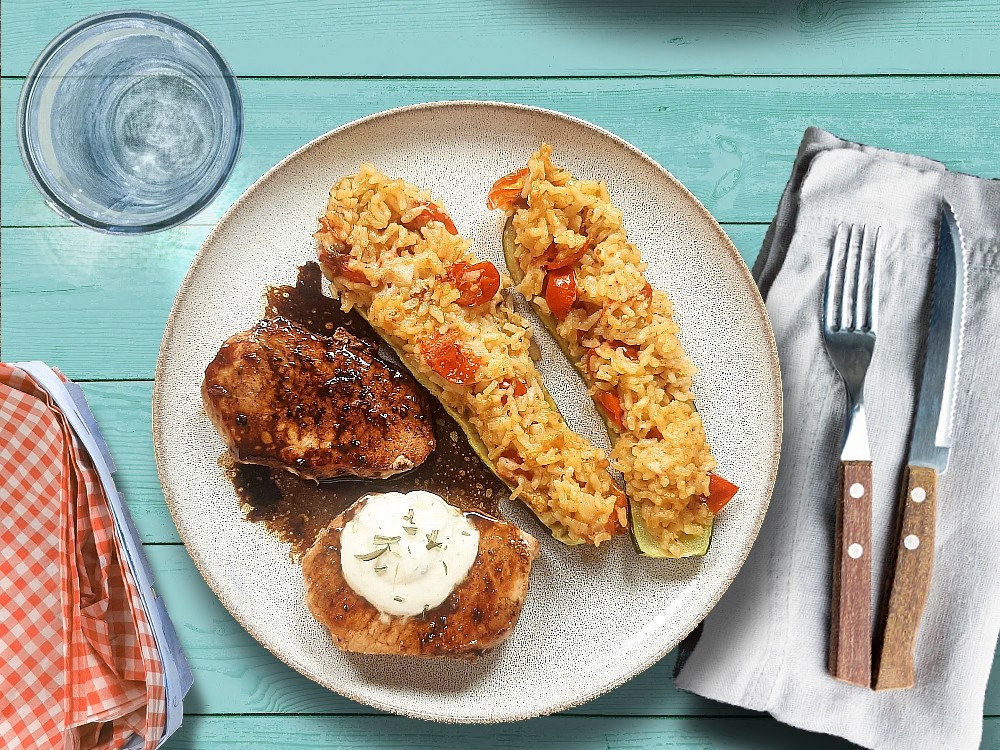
35 73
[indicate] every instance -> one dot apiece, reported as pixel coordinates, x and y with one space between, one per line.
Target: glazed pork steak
317 406
479 614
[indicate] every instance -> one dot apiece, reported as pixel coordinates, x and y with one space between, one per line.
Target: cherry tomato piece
476 282
612 407
449 359
571 256
519 386
560 291
720 492
506 192
431 212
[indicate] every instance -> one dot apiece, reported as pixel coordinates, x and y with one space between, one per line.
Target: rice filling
622 335
394 253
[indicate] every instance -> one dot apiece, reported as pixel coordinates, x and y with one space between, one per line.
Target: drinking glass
130 122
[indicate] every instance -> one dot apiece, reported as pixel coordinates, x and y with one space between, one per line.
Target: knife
930 446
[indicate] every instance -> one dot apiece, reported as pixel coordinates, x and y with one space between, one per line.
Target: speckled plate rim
528 713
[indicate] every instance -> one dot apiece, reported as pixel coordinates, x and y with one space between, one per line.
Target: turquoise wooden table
718 91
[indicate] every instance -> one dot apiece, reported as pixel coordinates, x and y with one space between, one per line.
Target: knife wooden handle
851 605
910 580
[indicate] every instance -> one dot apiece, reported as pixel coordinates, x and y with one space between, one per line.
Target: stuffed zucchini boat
396 256
567 251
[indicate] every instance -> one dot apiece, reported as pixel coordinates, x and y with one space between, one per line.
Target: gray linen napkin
764 646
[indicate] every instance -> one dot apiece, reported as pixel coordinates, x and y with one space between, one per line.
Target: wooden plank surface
233 673
66 290
97 308
551 733
560 37
730 141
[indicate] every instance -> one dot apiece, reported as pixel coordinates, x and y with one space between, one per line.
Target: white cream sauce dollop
405 553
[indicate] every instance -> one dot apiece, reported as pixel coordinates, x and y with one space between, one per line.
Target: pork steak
317 406
479 614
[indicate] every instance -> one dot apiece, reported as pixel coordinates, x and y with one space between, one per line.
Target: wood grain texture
68 289
234 674
560 732
851 603
97 307
553 733
730 141
124 413
909 580
560 37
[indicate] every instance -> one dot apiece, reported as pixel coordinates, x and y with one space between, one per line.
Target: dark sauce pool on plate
295 510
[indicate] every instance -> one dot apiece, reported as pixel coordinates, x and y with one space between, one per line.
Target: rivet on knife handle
910 580
851 610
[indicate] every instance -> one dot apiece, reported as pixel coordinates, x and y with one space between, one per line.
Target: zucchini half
645 544
559 533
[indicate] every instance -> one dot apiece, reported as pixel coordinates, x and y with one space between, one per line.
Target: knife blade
930 448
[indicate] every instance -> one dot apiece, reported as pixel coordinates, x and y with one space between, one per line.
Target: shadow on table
702 14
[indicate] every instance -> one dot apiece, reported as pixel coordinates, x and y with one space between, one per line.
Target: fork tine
835 280
874 283
851 270
865 297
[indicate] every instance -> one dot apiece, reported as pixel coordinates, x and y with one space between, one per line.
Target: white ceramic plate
593 618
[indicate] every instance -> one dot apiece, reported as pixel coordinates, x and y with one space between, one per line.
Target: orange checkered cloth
79 667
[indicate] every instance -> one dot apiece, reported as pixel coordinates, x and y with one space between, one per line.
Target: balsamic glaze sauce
295 510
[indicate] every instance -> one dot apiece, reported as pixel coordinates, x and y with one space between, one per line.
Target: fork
850 317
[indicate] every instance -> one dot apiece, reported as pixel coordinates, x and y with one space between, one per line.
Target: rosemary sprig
379 539
373 555
432 540
411 530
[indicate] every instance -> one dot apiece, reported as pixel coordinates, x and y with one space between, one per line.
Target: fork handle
911 579
851 605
